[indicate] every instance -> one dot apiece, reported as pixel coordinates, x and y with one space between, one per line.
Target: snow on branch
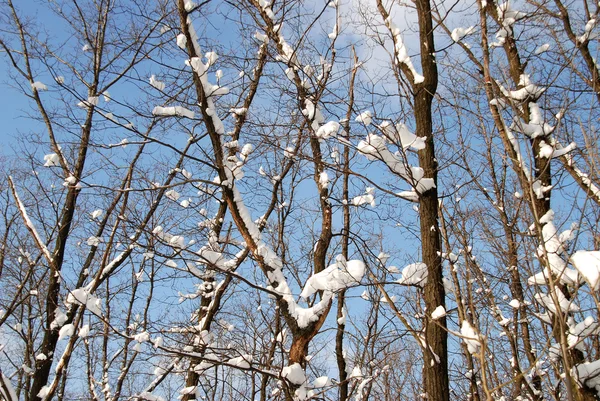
374 147
29 224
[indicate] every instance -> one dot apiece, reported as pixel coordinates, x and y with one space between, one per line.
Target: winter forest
299 200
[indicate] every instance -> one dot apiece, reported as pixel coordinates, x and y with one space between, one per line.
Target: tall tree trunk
435 364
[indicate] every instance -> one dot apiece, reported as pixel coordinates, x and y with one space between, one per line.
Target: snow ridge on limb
6 389
374 147
338 276
400 51
29 224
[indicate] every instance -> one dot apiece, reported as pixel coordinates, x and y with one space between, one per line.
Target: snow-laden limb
156 83
66 331
579 331
536 127
559 151
588 374
459 33
528 90
401 135
338 276
401 52
242 362
587 264
517 150
374 147
582 178
542 49
470 337
507 17
38 86
201 70
6 389
587 34
29 223
177 111
51 160
322 381
294 374
411 196
330 129
110 266
564 303
83 297
553 250
312 112
44 391
273 267
181 41
212 258
149 397
367 198
414 274
366 117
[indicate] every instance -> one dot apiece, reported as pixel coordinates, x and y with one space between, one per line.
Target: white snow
44 391
414 274
66 331
374 147
142 337
240 111
367 198
366 117
589 373
294 374
181 41
172 195
261 37
336 277
51 160
564 304
84 331
149 397
93 241
459 33
470 337
156 83
542 49
241 361
322 381
401 52
172 111
515 303
587 264
82 297
211 58
38 86
528 89
553 250
438 312
588 34
356 372
324 179
408 139
327 130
